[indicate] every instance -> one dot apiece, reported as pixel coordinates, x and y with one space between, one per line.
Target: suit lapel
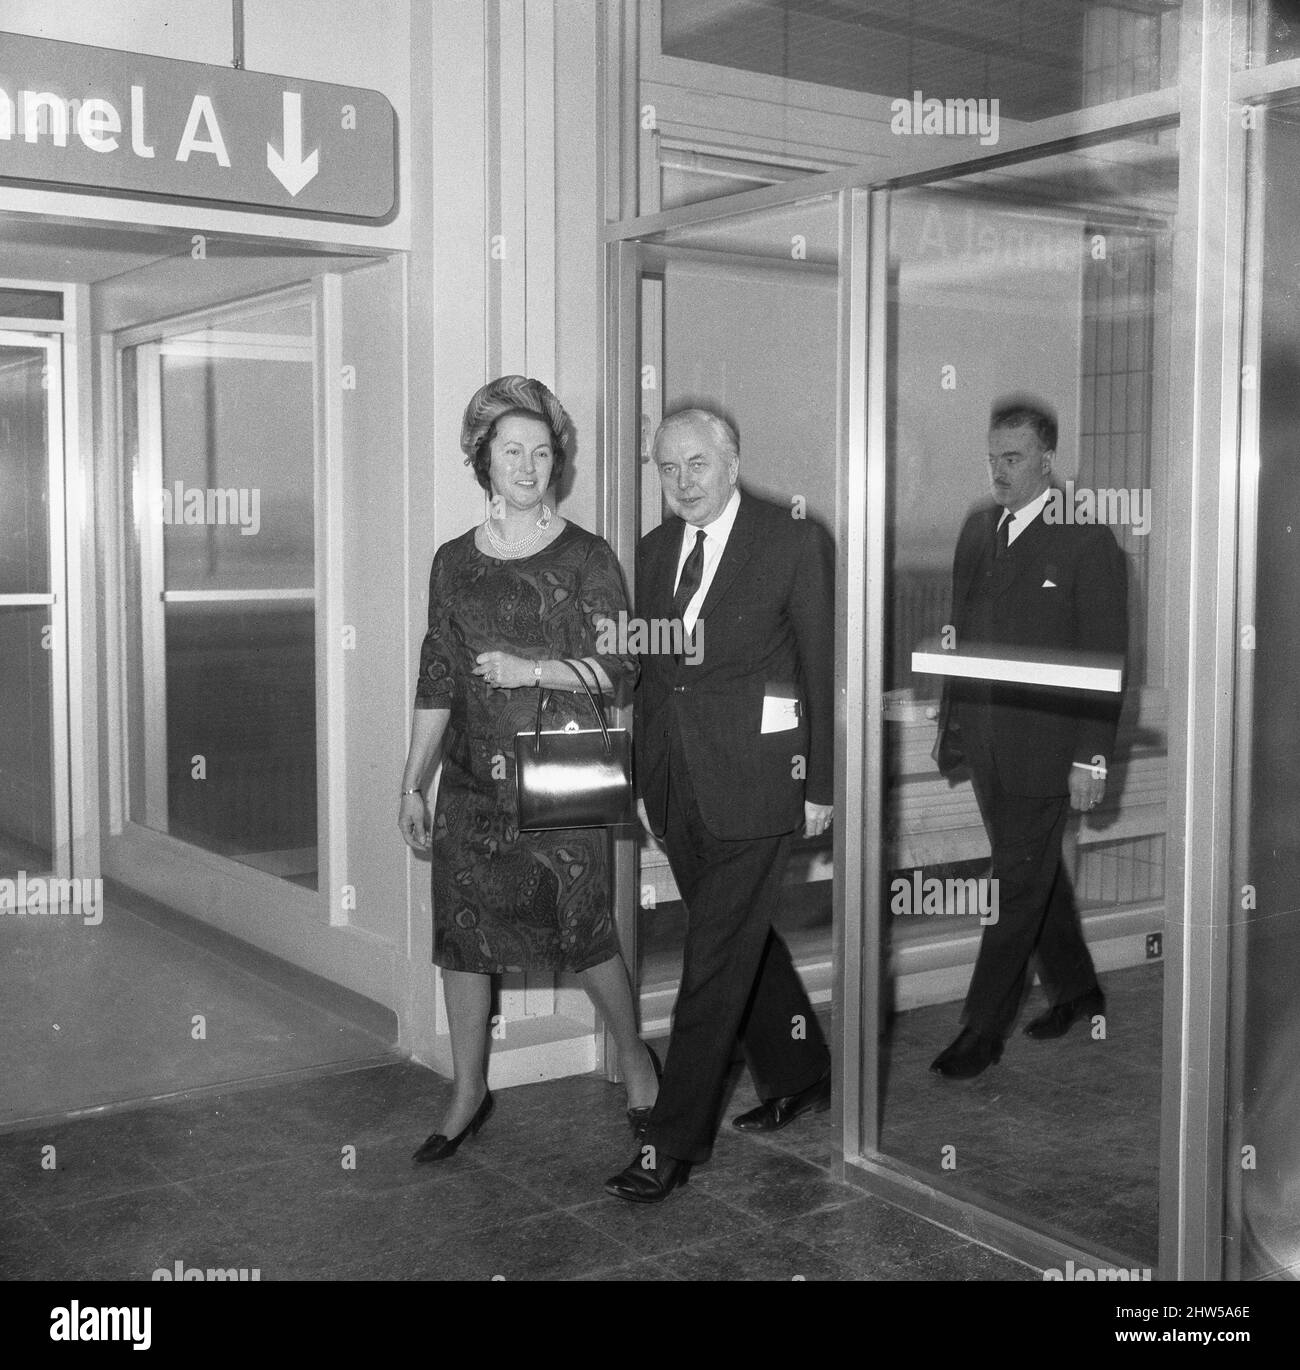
661 574
1022 552
970 563
734 555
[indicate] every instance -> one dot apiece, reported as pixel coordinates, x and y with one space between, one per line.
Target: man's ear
1047 461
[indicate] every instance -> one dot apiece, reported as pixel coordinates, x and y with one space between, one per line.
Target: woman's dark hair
482 460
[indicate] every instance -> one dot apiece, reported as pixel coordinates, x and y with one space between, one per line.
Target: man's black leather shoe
1056 1021
970 1054
641 1184
774 1114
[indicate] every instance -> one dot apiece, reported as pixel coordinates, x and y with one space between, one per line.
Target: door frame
157 860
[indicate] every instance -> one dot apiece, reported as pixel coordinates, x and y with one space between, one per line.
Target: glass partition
33 681
1262 1151
1095 281
220 423
740 316
1046 283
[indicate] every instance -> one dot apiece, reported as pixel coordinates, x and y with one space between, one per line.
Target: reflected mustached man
1034 753
734 753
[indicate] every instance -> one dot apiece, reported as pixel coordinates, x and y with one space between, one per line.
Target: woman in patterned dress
509 600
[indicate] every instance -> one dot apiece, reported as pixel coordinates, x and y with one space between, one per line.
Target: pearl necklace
512 550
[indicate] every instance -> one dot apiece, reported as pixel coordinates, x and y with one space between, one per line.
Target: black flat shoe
439 1146
640 1184
970 1054
1057 1020
638 1119
774 1114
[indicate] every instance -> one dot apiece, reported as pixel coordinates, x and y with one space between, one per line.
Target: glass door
1027 306
739 316
220 417
34 772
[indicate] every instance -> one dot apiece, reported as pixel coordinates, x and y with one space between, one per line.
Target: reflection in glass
1049 279
1275 30
1038 59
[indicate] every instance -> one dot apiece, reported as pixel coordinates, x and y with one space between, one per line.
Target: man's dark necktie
1004 539
692 574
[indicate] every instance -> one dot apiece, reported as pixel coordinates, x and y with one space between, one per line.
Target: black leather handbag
574 777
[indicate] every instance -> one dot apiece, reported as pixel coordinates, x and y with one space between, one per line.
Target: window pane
1275 30
707 294
24 473
31 304
26 776
1262 1155
1047 280
225 729
241 733
236 495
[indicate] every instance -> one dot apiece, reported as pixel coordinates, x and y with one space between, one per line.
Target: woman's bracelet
417 790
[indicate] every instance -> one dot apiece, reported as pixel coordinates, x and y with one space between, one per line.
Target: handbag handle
599 711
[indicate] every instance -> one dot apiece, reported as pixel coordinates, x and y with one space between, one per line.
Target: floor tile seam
595 1275
901 1251
62 1246
770 1228
89 1201
749 1224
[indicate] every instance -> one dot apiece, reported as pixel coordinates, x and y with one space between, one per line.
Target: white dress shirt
715 542
1021 520
1024 516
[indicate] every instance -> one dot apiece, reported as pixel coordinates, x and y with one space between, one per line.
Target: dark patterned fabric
505 900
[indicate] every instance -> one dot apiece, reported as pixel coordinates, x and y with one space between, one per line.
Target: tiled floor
258 1179
94 1015
1065 1132
254 1170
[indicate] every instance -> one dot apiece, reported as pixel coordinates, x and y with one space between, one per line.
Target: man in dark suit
1029 585
733 755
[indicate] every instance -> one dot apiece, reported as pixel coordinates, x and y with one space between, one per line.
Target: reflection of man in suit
1034 753
733 755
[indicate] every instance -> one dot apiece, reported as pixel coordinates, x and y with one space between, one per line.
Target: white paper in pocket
779 714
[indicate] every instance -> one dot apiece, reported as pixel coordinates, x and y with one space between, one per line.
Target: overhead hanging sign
84 118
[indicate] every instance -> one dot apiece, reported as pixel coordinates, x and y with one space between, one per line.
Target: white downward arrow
292 170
